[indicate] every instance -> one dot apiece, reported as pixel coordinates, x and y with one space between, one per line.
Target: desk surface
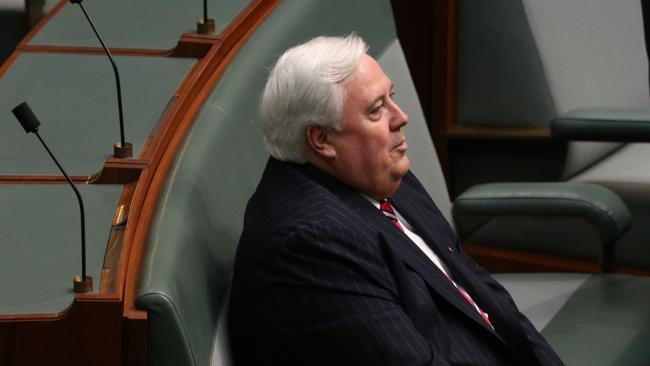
74 96
38 258
141 24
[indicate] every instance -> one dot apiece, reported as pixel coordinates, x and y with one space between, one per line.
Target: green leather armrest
595 204
603 124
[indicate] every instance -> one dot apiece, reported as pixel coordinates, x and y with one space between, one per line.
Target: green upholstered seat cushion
603 124
139 24
540 296
588 319
605 322
37 260
74 96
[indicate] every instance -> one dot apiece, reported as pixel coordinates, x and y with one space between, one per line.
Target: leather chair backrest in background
522 63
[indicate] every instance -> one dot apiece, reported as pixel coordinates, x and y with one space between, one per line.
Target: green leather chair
580 69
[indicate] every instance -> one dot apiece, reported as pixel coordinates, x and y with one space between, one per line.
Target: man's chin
399 171
402 166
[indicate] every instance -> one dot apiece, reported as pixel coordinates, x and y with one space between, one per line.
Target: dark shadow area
14 28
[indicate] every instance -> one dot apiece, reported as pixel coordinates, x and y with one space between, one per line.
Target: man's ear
318 140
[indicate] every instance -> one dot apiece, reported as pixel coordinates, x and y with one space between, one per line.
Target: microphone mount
30 123
205 25
121 149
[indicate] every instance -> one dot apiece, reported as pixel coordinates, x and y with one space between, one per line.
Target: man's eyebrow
379 98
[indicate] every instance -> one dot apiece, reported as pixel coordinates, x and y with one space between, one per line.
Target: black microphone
30 123
205 25
121 149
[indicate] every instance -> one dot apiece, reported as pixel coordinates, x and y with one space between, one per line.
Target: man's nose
399 118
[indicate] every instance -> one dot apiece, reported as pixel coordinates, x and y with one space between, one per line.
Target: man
329 272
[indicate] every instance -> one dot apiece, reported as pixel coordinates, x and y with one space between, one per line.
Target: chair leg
608 258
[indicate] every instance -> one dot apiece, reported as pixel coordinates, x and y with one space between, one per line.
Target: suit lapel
436 234
429 223
415 205
410 254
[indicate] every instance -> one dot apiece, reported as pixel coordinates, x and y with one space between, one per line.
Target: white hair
304 88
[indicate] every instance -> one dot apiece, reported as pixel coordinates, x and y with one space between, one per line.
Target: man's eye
391 95
377 109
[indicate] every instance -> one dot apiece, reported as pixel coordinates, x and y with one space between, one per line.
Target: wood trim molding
9 62
24 45
118 249
120 171
194 45
92 50
489 133
114 171
43 179
507 261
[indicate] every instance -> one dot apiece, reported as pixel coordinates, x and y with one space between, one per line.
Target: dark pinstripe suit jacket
322 278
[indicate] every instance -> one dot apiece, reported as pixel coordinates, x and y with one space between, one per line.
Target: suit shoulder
290 193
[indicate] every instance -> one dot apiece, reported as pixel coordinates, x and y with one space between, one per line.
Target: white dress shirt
415 238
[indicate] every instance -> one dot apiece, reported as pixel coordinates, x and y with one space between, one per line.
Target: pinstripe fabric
322 278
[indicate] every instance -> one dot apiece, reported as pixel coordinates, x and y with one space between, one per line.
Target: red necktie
471 301
386 208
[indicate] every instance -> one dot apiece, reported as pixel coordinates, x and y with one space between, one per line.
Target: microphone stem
117 74
205 11
81 207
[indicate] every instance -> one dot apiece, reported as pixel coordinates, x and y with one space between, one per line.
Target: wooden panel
88 334
482 133
508 261
427 32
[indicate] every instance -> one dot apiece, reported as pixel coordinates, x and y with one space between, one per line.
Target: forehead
368 81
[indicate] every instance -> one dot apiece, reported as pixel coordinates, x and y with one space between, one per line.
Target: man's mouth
402 146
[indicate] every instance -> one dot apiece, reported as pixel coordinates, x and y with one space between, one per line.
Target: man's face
370 145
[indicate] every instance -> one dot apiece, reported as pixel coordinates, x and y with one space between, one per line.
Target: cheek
369 146
378 142
377 151
366 157
368 149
